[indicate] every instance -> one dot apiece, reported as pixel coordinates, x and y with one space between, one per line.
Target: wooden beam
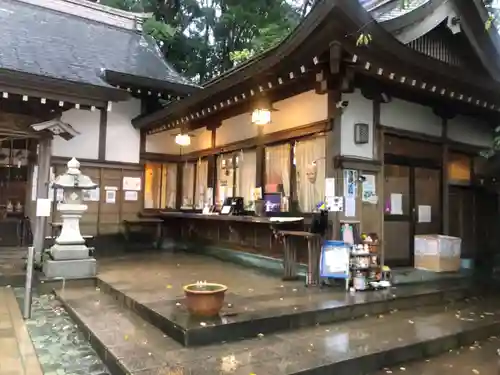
335 57
445 188
103 129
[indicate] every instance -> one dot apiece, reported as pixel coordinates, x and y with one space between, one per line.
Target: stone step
129 345
290 309
481 358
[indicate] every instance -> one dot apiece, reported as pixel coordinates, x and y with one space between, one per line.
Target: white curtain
224 178
311 169
171 184
246 175
201 183
278 167
188 185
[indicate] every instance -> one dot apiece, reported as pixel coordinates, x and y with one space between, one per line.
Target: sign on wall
131 183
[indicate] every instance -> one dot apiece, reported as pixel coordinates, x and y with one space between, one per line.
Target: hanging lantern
183 139
261 116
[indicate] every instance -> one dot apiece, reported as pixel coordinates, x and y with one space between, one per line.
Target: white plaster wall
299 110
164 142
409 116
471 131
235 129
122 139
86 144
359 110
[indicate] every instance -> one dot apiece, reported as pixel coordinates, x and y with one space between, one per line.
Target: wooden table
313 255
143 221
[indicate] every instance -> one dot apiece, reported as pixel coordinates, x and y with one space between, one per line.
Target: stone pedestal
69 256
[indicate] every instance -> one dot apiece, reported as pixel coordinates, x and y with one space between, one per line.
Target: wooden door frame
412 163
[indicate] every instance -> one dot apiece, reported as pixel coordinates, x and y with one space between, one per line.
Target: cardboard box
437 253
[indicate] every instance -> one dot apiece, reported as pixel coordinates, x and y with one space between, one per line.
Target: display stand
335 261
364 266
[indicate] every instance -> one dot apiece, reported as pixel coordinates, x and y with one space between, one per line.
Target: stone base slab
70 269
69 252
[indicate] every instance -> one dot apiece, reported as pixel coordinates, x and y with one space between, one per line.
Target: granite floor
58 343
17 355
144 350
481 358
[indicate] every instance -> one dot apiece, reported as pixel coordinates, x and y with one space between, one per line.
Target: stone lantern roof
73 178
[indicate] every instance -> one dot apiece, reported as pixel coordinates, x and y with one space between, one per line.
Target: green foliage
159 30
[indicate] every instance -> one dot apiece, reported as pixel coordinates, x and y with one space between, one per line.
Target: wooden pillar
260 173
333 140
179 185
42 191
445 196
212 165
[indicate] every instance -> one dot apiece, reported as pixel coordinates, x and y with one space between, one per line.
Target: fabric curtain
224 178
188 185
170 179
310 166
246 175
152 185
201 183
278 167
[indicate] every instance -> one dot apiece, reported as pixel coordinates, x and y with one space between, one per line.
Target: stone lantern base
70 269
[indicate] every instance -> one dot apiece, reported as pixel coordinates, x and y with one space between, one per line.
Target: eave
128 80
473 16
59 90
328 21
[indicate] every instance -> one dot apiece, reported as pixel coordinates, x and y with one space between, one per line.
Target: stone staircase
313 334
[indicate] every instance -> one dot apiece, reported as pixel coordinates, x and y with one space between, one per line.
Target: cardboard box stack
437 253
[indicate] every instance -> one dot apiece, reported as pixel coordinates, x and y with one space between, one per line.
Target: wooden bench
144 221
313 255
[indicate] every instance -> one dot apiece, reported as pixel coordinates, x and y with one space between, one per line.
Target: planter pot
205 300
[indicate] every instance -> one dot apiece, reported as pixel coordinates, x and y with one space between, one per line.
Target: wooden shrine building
406 112
73 75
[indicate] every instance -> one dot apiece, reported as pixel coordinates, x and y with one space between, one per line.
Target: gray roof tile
45 42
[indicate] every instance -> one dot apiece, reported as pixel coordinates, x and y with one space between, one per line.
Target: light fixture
183 139
261 115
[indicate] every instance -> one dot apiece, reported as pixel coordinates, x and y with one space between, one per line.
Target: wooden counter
244 233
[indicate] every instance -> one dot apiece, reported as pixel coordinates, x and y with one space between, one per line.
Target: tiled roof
45 42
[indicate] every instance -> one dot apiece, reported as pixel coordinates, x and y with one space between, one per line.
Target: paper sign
132 183
350 182
369 189
424 214
396 204
335 204
115 188
91 195
334 260
350 207
110 196
329 187
43 206
131 195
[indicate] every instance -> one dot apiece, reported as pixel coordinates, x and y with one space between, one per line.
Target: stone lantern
69 256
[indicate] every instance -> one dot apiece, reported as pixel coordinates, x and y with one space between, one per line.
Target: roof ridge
94 11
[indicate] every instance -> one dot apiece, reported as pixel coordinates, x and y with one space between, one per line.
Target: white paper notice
424 214
329 187
350 207
396 204
369 189
110 196
131 195
132 183
43 206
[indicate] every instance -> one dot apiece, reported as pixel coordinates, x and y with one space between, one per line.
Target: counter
244 233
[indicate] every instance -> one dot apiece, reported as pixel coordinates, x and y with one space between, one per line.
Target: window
201 183
459 169
225 177
309 159
246 174
160 182
188 185
277 177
